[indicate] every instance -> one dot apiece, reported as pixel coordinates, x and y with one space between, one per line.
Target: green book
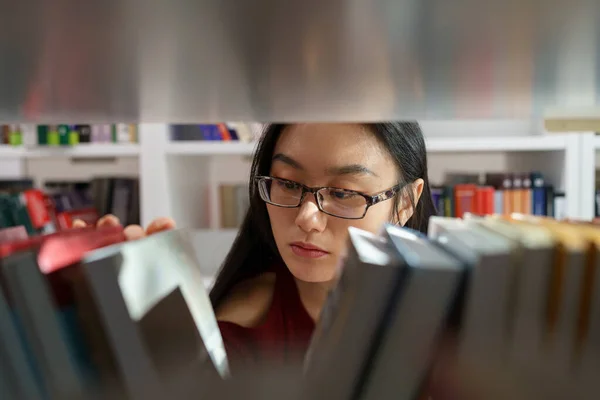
6 214
15 137
20 213
53 138
63 135
42 134
73 135
449 205
5 220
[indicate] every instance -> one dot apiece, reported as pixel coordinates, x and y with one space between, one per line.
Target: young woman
308 184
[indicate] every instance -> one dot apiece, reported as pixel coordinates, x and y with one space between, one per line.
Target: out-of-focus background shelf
210 148
87 150
498 144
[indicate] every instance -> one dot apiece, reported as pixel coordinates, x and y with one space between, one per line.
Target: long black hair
254 249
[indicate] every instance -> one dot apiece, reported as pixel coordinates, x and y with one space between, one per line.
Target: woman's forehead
322 148
329 141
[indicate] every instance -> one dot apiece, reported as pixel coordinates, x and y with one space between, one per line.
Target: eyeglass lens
342 203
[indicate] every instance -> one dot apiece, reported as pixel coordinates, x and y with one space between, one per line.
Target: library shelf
86 150
210 148
497 144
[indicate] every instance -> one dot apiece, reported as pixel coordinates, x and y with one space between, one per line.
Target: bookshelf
182 179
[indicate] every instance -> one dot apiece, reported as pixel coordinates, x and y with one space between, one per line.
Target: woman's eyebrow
287 160
351 169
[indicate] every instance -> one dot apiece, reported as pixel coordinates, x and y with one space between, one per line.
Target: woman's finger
108 220
79 224
159 225
134 232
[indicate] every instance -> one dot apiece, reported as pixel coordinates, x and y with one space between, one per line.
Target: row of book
498 193
242 132
480 308
55 207
504 307
67 135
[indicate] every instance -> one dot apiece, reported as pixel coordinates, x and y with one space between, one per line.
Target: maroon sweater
285 333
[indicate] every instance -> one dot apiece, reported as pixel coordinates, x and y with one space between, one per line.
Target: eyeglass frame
371 200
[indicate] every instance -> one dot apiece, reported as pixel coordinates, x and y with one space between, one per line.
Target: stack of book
67 135
495 307
60 203
498 193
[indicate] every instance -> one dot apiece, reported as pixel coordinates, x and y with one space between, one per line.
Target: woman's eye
287 185
341 195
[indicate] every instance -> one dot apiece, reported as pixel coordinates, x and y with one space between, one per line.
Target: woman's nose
309 217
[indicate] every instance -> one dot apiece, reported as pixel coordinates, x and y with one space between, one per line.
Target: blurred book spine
226 132
234 203
31 135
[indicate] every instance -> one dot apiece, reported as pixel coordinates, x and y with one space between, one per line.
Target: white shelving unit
85 150
499 144
210 148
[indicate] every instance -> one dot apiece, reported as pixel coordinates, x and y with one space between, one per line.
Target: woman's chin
313 273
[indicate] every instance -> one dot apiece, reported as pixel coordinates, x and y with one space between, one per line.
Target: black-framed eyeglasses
341 203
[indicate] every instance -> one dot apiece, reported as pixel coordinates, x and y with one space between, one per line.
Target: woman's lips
307 250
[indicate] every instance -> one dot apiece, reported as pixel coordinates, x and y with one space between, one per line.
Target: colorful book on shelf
500 193
67 135
212 132
40 211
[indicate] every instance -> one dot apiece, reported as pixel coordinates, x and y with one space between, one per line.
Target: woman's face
333 155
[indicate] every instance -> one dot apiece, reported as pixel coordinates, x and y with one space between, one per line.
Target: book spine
85 133
464 196
15 137
29 132
63 135
53 137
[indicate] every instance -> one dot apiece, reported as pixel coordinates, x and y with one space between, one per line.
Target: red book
224 132
83 240
484 200
464 199
40 210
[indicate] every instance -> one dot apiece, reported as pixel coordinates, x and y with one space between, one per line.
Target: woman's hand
132 232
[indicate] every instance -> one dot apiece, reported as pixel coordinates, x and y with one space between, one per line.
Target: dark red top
285 333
